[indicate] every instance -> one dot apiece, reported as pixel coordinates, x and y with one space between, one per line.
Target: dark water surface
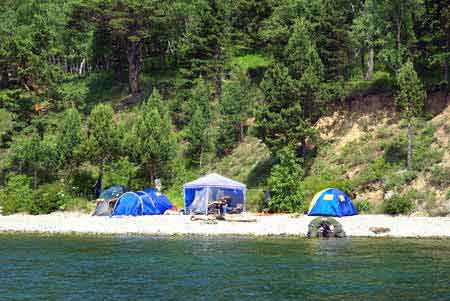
64 267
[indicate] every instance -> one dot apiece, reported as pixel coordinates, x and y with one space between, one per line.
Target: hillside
363 150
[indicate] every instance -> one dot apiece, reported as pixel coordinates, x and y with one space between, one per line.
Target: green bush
79 204
17 195
373 173
363 206
440 176
175 195
49 198
255 200
424 155
397 179
286 193
356 153
395 152
120 172
82 184
398 204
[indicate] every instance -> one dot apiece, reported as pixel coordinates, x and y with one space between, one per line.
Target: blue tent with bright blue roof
162 202
331 202
139 203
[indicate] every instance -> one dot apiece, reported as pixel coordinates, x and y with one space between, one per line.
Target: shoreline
179 225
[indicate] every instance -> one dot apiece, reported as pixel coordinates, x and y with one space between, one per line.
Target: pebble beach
271 225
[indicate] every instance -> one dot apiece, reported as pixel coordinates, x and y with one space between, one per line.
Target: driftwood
203 217
226 218
379 230
240 219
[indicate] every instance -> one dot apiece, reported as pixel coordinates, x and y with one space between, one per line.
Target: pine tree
286 194
199 132
70 137
130 24
409 100
366 34
279 121
235 108
151 140
101 145
398 19
204 47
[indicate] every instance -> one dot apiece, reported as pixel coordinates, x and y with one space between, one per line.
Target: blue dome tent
112 192
162 202
331 202
138 203
199 193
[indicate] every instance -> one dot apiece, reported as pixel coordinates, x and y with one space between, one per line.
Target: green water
200 268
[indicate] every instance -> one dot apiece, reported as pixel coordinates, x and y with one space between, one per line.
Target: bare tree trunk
303 148
65 65
201 156
410 150
399 34
98 183
151 173
446 67
81 69
134 60
370 64
218 74
35 178
241 131
362 62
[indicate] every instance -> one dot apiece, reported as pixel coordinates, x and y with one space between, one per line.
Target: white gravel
265 225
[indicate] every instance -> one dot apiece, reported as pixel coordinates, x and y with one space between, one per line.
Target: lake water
64 267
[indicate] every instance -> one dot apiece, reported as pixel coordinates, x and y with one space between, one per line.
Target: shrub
17 195
395 152
398 178
82 183
49 198
79 204
425 155
356 153
398 204
286 193
255 200
384 133
363 206
373 173
440 176
175 195
121 172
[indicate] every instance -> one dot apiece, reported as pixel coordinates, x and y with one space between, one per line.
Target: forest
102 92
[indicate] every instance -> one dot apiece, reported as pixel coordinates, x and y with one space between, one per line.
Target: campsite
215 206
224 150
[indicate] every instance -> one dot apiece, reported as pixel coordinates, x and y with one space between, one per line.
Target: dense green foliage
398 204
130 91
287 195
